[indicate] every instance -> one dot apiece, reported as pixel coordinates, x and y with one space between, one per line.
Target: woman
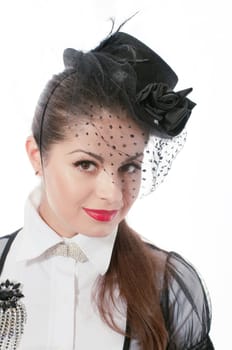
105 131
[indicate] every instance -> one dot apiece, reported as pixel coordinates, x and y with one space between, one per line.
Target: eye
85 165
130 168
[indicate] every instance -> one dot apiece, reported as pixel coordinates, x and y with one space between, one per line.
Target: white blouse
58 290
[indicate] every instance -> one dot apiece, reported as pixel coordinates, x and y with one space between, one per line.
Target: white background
191 211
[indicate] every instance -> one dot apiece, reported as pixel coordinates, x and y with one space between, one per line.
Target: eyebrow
89 154
100 158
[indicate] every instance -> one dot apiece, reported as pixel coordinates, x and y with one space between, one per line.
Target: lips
101 215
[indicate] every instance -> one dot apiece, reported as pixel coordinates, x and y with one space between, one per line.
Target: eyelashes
85 165
130 168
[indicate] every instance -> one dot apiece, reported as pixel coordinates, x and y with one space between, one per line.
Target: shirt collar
36 237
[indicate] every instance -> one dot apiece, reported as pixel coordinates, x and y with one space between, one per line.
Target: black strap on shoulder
126 344
5 243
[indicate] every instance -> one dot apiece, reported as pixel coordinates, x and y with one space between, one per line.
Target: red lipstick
101 215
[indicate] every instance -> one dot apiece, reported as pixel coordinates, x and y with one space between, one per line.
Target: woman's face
91 180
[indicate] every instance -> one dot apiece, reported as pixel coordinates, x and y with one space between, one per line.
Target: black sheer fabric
185 306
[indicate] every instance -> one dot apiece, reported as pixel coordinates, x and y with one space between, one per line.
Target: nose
109 187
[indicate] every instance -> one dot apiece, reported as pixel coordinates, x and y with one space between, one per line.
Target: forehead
108 130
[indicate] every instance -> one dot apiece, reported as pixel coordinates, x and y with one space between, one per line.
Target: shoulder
5 240
9 237
5 244
185 303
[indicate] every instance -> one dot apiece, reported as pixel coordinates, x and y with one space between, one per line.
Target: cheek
69 187
131 189
56 181
62 185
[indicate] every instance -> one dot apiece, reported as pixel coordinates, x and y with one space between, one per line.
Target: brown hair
135 269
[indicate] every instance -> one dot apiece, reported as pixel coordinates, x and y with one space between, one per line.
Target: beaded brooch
12 315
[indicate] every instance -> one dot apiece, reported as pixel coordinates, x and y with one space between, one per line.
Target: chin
102 233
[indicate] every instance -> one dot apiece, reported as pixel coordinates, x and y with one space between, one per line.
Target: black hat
148 65
164 110
154 102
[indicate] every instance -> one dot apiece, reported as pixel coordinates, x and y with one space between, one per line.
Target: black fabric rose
163 109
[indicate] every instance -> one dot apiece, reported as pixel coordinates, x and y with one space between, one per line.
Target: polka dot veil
139 161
